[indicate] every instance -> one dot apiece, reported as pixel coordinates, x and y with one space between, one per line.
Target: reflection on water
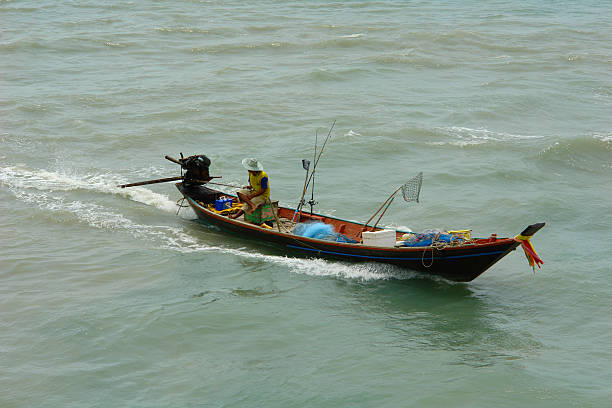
425 314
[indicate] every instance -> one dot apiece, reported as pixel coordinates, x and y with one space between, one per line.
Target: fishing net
320 230
412 189
313 230
429 237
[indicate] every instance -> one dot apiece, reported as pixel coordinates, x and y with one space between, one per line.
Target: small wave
241 47
89 22
464 136
587 153
604 137
414 57
28 44
348 41
263 28
352 134
353 35
18 9
324 74
182 30
345 41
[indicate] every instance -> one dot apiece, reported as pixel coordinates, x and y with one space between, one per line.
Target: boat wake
307 266
19 178
57 193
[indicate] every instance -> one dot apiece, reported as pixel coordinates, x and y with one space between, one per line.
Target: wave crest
587 153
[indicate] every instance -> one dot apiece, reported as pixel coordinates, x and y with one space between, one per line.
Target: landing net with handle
411 191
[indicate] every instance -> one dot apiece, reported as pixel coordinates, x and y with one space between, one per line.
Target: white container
384 238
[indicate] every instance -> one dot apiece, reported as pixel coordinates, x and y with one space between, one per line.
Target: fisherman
257 192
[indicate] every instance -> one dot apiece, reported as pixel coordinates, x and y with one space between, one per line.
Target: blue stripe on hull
395 258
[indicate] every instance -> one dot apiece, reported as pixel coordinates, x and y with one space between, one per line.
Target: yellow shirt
255 180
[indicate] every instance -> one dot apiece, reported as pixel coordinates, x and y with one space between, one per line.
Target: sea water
118 298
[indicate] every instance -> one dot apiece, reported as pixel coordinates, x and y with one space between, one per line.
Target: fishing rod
306 166
312 173
225 185
312 201
314 169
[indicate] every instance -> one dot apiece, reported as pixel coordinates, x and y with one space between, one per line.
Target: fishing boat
461 262
453 255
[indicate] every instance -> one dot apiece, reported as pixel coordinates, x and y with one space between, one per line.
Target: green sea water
109 298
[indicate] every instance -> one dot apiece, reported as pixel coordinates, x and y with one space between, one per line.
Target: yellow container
465 234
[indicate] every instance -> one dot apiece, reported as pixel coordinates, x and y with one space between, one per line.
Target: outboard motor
197 169
196 174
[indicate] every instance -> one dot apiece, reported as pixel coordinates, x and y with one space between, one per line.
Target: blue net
428 237
317 230
320 230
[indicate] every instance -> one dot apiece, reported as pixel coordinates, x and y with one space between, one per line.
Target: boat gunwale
257 228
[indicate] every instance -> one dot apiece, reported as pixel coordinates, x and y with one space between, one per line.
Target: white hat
252 164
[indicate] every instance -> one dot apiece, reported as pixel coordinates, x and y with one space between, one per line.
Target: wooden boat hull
460 263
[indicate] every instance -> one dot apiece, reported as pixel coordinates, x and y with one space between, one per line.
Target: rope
278 222
439 246
423 258
182 200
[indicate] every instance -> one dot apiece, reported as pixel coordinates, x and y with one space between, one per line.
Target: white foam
604 137
397 227
469 136
349 136
92 214
312 267
358 35
43 180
